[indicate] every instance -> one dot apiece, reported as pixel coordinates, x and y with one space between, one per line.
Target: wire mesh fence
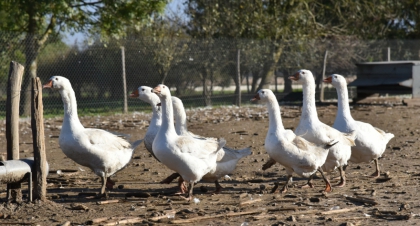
200 72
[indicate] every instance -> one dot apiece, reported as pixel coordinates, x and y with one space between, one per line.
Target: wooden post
238 68
321 97
124 80
389 53
37 123
12 124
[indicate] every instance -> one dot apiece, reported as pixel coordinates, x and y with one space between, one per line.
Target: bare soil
138 197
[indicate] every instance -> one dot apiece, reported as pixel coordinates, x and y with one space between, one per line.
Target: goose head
57 83
302 75
162 91
145 93
263 95
336 80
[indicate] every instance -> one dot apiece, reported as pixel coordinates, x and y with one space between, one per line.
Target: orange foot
376 174
341 184
308 185
328 188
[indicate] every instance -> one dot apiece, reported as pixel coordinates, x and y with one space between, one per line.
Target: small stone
146 169
120 186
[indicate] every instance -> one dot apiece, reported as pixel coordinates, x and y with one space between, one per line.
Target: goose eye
262 92
335 76
142 90
163 87
303 72
56 79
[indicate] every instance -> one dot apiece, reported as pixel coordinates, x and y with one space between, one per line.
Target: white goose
313 130
103 152
370 142
293 152
227 158
191 158
145 93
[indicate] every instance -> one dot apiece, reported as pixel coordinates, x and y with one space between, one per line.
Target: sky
173 7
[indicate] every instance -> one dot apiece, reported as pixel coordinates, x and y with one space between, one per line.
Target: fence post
321 97
14 193
124 80
238 67
37 124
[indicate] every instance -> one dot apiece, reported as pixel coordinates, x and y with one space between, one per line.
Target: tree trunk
247 81
270 66
31 53
206 95
287 82
255 77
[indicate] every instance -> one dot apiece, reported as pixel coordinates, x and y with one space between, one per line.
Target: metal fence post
124 79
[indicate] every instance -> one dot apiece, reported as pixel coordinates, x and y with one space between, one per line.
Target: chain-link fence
201 72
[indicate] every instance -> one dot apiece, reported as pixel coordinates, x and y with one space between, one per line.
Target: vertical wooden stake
12 124
37 123
124 80
321 97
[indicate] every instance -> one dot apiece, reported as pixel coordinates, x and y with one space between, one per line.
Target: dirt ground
245 199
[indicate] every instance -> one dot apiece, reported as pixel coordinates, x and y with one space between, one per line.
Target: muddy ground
138 196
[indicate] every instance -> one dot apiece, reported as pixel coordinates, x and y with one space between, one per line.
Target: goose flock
313 146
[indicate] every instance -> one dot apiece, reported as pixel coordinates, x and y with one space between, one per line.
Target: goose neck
309 106
71 117
167 117
156 115
274 115
181 123
343 102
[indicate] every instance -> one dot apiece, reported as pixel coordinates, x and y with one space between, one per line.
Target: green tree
38 20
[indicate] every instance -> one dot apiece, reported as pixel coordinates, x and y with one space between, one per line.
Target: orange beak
157 90
328 80
135 93
256 97
294 77
49 84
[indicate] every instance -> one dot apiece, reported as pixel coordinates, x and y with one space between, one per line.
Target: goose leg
268 164
102 192
309 184
377 173
285 187
190 192
109 183
344 169
218 187
327 182
342 178
182 186
169 179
